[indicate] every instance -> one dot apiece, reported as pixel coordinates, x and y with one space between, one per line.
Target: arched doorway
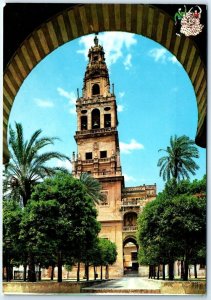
78 20
130 256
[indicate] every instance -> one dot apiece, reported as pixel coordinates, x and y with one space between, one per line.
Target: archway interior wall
84 19
130 254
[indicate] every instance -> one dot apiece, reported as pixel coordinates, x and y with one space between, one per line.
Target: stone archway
81 19
130 253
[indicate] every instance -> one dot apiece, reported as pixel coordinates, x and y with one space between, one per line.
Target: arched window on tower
95 118
96 89
107 120
84 123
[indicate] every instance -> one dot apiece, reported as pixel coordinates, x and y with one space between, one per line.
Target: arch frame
82 19
130 238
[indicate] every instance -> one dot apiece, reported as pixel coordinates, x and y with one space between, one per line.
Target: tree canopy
173 226
28 162
12 215
70 227
93 187
179 159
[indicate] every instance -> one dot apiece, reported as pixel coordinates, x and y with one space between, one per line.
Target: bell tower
97 135
98 146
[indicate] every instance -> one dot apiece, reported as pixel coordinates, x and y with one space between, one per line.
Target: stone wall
188 287
45 287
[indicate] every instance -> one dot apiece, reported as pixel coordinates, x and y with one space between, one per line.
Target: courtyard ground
127 285
121 286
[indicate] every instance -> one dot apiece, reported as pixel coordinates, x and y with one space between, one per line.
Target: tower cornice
86 134
95 100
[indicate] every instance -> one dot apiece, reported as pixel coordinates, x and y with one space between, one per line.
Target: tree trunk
7 267
171 270
164 272
24 199
107 272
78 272
94 273
59 265
185 277
24 272
39 273
195 270
182 269
101 272
154 271
31 272
52 271
11 271
87 274
151 271
158 272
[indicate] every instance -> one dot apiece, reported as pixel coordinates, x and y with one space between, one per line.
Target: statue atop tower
96 40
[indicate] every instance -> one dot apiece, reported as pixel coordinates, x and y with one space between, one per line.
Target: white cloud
120 107
129 178
121 94
163 56
127 63
64 164
43 103
159 54
173 59
68 95
128 148
72 111
113 44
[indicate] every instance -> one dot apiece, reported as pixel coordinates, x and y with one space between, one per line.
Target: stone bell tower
98 146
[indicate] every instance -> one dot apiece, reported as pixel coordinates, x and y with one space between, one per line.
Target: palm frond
27 165
179 161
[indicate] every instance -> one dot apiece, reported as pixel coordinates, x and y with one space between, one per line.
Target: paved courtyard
126 285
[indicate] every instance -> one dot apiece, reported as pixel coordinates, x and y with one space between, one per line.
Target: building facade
98 153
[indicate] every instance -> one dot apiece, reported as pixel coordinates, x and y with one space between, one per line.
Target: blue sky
154 95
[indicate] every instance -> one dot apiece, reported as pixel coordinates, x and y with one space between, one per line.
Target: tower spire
96 78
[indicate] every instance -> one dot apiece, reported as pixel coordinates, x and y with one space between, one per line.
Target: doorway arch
81 19
130 255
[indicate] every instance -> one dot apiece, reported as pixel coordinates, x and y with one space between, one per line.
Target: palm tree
178 162
27 166
93 187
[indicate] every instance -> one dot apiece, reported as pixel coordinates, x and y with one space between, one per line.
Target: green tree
93 187
172 227
155 247
12 246
108 251
199 186
38 232
27 164
195 188
77 227
103 253
178 162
